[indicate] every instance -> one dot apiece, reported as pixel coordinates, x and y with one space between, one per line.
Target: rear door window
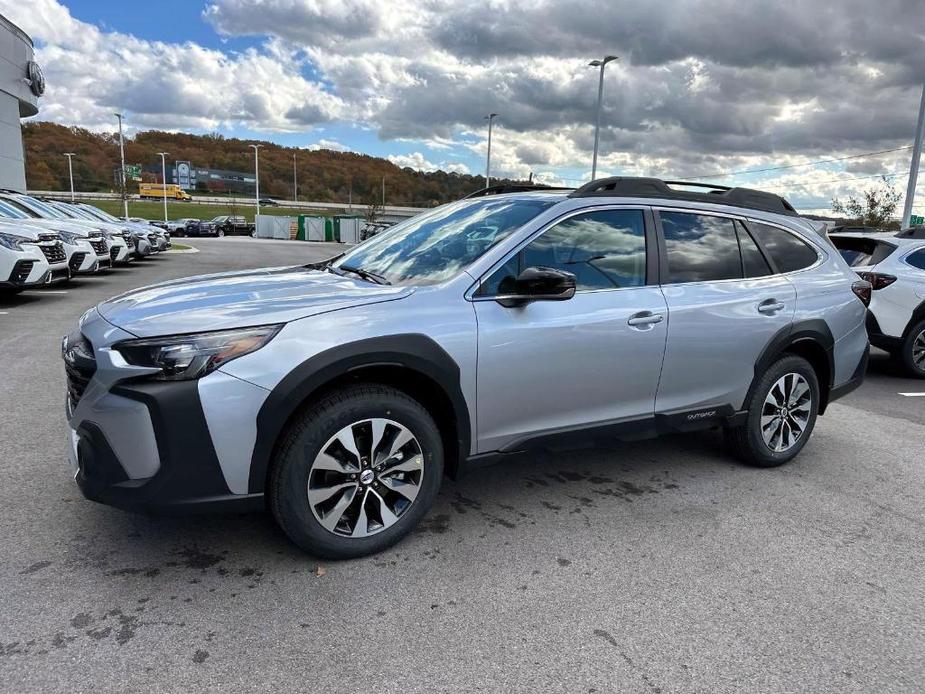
753 261
789 252
700 247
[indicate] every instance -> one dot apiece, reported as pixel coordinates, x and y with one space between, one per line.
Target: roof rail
638 187
510 188
916 232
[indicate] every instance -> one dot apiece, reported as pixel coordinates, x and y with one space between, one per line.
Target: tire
312 454
747 441
912 353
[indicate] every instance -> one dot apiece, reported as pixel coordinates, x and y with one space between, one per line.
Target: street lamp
490 117
122 171
600 98
70 171
164 182
295 180
256 176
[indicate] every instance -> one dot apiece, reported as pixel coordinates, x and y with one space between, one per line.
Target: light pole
295 180
164 181
490 117
256 177
122 170
914 171
600 99
70 171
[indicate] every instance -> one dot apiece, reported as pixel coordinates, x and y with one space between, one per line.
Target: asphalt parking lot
660 566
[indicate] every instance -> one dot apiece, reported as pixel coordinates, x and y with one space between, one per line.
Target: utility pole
490 117
256 178
600 99
122 170
295 180
383 191
70 171
164 181
914 170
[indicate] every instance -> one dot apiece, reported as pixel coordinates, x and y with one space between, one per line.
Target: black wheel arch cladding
415 352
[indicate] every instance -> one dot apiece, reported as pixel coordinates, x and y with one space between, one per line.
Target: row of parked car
223 225
48 241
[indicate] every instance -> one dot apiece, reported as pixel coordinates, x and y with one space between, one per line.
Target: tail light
877 279
862 290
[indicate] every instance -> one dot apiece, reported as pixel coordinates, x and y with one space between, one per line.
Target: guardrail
387 212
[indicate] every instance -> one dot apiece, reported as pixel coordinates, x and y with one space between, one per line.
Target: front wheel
356 472
912 353
782 410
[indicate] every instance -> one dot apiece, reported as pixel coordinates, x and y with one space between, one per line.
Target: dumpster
312 228
347 228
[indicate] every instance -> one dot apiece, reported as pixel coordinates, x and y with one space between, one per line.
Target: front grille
130 242
76 261
99 247
54 252
79 365
153 239
21 271
113 252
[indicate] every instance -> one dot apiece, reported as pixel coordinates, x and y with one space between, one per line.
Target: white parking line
55 291
914 395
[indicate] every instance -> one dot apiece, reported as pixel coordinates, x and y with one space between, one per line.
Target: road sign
916 220
133 172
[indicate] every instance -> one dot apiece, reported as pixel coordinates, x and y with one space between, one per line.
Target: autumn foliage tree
876 208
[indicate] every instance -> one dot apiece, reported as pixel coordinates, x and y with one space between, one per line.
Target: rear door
725 305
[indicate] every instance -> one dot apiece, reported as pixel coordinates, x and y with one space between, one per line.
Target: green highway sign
916 220
133 172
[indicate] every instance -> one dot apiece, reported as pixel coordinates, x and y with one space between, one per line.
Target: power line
794 166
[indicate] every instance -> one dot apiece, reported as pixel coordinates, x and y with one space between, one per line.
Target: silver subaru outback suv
338 395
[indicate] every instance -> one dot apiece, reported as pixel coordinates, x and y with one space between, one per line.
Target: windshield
11 212
99 214
435 246
69 212
46 211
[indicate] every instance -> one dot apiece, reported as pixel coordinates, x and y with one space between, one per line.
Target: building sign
35 78
184 179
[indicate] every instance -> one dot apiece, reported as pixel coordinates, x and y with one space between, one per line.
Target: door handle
645 318
770 306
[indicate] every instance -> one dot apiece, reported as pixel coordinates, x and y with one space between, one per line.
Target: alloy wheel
365 478
786 412
918 351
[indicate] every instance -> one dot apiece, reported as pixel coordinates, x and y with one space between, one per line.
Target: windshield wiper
364 274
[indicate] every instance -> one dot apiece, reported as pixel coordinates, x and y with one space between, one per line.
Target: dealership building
21 85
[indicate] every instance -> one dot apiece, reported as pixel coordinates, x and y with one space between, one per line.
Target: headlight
69 237
185 357
13 242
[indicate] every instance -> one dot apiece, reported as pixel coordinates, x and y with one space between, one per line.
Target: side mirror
537 284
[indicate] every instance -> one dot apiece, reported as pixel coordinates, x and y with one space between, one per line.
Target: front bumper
156 446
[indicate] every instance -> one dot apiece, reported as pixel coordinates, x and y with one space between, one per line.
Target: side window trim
663 247
653 253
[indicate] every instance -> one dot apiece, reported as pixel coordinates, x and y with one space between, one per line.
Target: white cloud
332 145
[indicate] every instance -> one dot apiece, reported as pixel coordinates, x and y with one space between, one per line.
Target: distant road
388 213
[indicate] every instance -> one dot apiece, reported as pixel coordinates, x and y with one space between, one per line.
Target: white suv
894 264
78 250
22 264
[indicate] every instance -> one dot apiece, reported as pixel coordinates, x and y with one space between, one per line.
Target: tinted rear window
858 252
788 252
700 247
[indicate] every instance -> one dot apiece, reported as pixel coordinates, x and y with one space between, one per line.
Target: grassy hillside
324 175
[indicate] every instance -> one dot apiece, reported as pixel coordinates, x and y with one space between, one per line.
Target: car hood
58 225
240 299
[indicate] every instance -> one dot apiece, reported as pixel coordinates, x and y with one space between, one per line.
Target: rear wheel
356 472
782 410
912 353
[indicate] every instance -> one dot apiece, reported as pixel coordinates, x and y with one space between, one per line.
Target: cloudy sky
703 88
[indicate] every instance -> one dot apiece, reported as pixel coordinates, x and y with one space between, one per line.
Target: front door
553 366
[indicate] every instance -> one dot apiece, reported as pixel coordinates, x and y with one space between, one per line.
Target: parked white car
118 237
79 252
894 264
48 243
22 263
